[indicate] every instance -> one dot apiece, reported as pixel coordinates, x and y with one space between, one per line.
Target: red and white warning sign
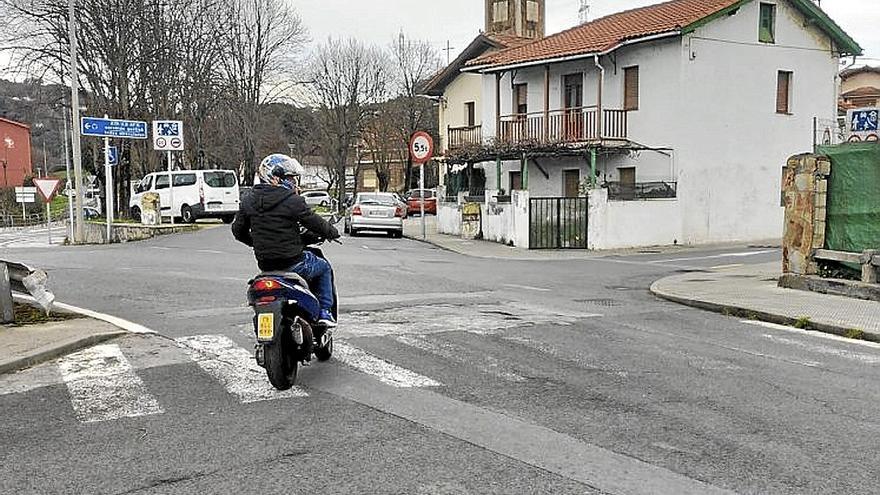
47 187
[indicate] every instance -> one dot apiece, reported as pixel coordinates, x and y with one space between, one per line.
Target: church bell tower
521 18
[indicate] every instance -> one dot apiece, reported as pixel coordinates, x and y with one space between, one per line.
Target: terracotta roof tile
863 91
607 32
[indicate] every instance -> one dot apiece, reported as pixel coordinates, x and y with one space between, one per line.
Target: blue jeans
317 273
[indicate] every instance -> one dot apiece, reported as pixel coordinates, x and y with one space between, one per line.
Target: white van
197 194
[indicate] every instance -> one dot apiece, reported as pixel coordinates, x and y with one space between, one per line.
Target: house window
767 27
470 113
783 92
631 88
520 99
501 15
571 183
515 181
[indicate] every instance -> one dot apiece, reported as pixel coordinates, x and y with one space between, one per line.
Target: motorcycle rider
269 221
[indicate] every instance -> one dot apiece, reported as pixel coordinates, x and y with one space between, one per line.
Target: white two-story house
673 121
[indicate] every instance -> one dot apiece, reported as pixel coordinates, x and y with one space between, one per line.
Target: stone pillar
805 193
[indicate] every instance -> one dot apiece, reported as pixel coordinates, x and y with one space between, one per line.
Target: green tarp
853 207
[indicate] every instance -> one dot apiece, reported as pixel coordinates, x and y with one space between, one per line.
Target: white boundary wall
626 224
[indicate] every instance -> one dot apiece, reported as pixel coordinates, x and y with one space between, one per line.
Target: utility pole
448 51
78 236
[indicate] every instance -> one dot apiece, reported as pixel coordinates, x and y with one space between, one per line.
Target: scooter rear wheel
281 365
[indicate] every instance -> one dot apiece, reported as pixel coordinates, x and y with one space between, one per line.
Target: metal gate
558 223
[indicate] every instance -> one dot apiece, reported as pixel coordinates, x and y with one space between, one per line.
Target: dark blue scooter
286 315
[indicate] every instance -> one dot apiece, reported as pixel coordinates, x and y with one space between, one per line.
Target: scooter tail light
266 284
356 210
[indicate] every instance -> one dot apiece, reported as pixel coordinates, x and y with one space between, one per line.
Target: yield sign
47 187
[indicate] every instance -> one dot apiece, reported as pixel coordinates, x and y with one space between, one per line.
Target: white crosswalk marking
386 372
449 352
104 387
234 367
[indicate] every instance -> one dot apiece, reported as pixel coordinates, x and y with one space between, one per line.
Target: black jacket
269 220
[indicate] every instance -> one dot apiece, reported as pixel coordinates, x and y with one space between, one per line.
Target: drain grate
600 302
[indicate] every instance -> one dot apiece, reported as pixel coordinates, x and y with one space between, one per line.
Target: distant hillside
39 106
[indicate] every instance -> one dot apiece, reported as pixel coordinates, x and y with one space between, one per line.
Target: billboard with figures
863 124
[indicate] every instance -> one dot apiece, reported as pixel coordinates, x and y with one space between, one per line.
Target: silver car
375 211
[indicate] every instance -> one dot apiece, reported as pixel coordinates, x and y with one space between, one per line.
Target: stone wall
805 193
96 233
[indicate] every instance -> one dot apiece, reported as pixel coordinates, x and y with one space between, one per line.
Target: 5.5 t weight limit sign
421 147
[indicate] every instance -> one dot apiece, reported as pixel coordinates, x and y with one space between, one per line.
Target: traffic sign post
168 137
47 187
421 148
111 128
25 195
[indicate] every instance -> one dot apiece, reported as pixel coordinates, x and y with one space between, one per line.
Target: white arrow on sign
47 187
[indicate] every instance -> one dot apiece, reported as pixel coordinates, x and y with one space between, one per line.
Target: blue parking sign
113 155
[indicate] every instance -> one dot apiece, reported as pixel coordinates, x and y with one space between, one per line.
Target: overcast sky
459 21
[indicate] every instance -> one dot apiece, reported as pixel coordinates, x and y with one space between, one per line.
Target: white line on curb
113 320
234 367
715 256
821 335
103 386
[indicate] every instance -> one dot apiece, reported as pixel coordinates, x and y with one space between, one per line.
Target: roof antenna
584 12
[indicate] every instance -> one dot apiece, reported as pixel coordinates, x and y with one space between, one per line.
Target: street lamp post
78 236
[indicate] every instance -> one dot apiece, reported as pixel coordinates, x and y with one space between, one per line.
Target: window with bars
631 88
767 26
783 92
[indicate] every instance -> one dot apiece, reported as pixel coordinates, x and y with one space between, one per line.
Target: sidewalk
25 346
412 229
751 292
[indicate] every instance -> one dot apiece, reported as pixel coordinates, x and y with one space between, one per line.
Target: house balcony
460 137
565 126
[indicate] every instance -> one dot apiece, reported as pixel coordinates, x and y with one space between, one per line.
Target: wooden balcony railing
572 125
463 136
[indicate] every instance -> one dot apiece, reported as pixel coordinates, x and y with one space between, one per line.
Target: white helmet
280 169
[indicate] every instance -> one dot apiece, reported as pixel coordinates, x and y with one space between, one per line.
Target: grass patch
855 333
25 314
803 323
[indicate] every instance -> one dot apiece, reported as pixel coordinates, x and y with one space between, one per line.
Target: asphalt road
452 375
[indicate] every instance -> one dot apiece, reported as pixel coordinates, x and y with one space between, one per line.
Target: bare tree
262 38
348 80
415 62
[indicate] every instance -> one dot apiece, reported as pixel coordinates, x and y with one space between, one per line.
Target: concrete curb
48 353
752 314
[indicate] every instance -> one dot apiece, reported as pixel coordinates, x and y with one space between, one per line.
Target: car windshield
376 199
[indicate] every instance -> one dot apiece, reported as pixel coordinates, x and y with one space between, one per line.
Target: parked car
91 213
375 211
413 201
197 194
317 198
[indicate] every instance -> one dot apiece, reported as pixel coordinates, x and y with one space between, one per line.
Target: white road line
386 372
821 349
715 256
162 248
820 335
449 352
103 386
724 267
113 320
234 367
209 251
527 287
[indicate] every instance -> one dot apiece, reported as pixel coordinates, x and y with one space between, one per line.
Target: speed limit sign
421 147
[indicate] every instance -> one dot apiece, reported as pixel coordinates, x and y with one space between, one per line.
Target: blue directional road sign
113 153
114 128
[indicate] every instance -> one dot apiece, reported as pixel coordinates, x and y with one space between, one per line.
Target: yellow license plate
266 326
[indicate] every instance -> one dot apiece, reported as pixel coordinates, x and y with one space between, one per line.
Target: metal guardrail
24 279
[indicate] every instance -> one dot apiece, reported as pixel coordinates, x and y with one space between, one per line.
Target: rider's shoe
327 319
